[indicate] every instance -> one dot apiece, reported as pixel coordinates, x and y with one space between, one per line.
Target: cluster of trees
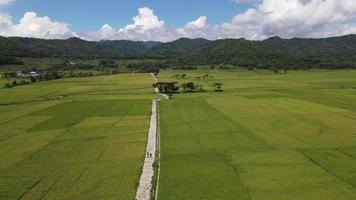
192 87
8 75
189 87
167 87
178 66
179 76
147 67
183 76
44 76
218 87
108 63
107 68
7 60
73 74
17 83
79 66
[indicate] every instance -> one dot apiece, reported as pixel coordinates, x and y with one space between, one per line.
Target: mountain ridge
323 52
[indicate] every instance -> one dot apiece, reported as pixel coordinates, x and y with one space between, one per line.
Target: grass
80 138
284 136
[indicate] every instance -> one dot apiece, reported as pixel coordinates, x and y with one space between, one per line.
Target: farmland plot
290 136
74 138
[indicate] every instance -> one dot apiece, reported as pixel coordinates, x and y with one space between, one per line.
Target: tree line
188 87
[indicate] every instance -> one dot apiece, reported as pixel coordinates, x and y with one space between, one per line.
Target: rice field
74 138
284 136
267 136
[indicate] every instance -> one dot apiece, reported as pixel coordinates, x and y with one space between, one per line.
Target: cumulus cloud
32 25
285 18
294 18
194 29
146 26
5 2
246 1
146 20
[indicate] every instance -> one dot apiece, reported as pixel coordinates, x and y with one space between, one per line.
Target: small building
72 62
30 74
33 74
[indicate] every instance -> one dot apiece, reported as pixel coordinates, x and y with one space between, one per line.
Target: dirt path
155 80
145 185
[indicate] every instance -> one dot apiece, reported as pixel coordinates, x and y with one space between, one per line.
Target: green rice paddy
74 138
267 136
286 136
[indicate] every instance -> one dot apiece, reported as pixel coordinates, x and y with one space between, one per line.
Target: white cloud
195 29
32 25
285 18
5 2
145 21
197 24
146 26
246 1
294 18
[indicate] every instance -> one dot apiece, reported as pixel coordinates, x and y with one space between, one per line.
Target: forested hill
335 52
72 48
338 47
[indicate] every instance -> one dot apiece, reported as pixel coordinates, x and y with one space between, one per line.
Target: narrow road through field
154 78
145 186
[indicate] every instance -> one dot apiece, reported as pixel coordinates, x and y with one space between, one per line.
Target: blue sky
163 20
90 15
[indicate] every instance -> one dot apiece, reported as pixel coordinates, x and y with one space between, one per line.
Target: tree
9 75
206 76
176 76
8 85
218 87
115 71
275 70
33 79
188 87
199 88
108 63
166 87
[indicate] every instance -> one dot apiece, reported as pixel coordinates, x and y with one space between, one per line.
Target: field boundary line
346 182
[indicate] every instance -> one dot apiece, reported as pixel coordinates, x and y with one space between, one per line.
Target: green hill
335 52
